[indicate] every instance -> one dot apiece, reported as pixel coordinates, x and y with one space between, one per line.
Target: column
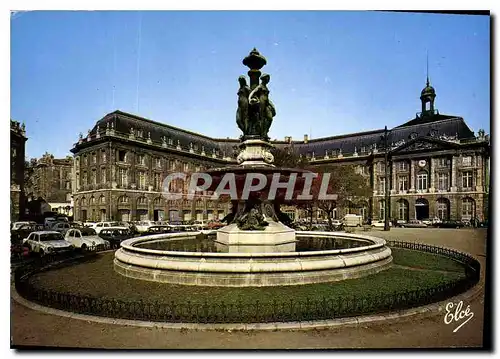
453 174
479 173
432 184
394 186
412 176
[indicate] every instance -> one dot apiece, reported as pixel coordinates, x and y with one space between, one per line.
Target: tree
345 182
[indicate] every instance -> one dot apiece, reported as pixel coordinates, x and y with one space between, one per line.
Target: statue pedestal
276 237
255 152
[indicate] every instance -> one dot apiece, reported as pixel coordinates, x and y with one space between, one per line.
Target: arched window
123 199
157 201
102 199
142 200
468 205
443 209
84 201
92 200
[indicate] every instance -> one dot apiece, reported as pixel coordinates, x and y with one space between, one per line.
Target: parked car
157 230
142 226
413 223
451 224
85 238
24 230
115 235
61 227
380 224
353 220
101 225
47 242
17 225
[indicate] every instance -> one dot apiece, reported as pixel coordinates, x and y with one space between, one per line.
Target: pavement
35 328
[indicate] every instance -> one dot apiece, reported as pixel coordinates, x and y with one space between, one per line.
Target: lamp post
387 182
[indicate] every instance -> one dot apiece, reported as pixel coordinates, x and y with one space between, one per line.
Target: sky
332 72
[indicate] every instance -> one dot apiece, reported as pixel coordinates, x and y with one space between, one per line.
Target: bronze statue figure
255 113
242 112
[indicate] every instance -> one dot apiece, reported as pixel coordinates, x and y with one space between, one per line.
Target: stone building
437 167
120 166
17 149
52 181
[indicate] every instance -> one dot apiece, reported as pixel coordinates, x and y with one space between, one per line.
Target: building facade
437 167
120 166
17 153
52 180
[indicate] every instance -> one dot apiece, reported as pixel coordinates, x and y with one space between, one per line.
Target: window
381 187
103 156
85 160
141 160
403 166
186 167
382 209
102 199
142 200
94 158
84 178
442 209
442 162
422 181
403 210
123 199
122 156
158 162
403 183
157 181
443 183
94 177
92 200
467 208
467 161
103 175
141 179
467 179
123 177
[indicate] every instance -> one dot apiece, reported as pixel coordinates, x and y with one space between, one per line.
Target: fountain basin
251 269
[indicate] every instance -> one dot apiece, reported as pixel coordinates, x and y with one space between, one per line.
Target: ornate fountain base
275 237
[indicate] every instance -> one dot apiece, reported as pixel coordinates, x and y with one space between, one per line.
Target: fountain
256 248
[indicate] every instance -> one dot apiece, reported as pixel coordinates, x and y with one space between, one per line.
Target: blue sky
332 72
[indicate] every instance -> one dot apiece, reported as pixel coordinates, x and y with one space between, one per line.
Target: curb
426 311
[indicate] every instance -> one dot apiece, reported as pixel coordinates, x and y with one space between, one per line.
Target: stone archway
421 209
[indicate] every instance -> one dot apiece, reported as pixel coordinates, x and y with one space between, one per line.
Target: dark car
414 223
157 230
23 232
451 224
115 235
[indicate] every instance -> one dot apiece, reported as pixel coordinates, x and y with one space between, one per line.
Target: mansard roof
124 121
436 125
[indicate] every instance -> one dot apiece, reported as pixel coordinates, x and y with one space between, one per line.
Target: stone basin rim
129 245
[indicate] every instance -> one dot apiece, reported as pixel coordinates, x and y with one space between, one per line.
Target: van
353 220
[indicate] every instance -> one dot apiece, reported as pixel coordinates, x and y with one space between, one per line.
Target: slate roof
434 125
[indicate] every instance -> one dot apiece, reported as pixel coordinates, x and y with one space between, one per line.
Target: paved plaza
29 327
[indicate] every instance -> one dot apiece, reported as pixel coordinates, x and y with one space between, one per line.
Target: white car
380 224
17 225
142 226
46 242
101 225
60 227
336 223
84 238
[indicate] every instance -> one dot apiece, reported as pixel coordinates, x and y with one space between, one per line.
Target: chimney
306 138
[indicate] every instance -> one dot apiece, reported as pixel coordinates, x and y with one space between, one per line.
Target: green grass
423 260
97 278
